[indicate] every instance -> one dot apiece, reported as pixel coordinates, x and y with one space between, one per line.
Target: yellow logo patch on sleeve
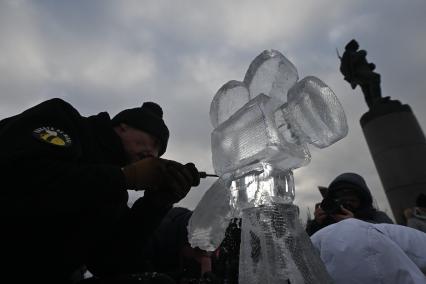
52 136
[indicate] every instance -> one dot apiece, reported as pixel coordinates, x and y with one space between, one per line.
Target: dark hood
355 182
107 140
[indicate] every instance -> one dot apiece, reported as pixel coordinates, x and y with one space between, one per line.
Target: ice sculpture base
276 249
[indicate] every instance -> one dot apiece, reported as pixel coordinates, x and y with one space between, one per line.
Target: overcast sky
110 55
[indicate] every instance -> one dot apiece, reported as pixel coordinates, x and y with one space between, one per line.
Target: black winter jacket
63 195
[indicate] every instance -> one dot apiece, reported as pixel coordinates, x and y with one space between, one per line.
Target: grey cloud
110 55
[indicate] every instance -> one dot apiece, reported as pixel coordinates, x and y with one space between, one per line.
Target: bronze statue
357 71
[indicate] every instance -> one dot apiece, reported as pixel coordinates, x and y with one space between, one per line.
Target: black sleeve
145 216
48 178
126 250
88 196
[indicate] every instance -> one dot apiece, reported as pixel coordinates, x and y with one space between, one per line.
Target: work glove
147 173
162 179
177 183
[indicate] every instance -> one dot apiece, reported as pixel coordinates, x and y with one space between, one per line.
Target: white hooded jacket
355 251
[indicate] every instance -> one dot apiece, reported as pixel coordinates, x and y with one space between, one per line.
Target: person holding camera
348 196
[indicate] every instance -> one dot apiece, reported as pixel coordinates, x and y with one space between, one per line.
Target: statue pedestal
398 147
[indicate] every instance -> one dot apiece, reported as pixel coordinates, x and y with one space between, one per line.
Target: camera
331 205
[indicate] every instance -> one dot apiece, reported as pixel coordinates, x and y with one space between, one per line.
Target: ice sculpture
262 128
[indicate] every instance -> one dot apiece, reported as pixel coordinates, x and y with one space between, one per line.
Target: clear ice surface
263 185
267 130
229 195
262 128
272 74
228 99
208 223
276 249
251 136
317 112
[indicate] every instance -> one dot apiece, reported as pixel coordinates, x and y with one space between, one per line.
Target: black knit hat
148 118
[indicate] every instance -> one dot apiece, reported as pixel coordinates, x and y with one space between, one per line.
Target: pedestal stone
398 147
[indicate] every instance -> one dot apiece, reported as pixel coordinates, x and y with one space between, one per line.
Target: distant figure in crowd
348 196
355 251
416 217
64 191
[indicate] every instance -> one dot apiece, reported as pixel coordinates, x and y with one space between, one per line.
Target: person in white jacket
355 251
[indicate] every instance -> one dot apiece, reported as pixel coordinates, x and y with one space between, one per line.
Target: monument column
398 148
394 137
